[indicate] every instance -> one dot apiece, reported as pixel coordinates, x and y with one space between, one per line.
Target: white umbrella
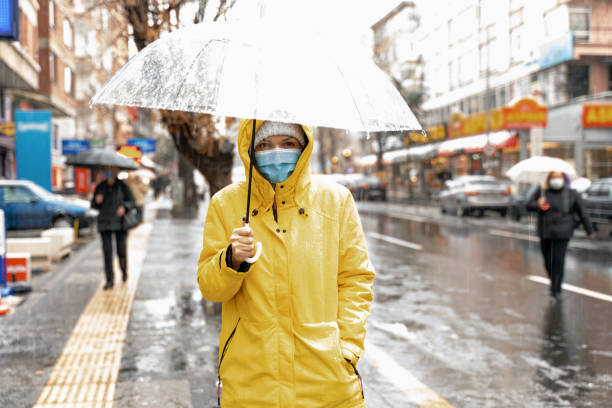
535 169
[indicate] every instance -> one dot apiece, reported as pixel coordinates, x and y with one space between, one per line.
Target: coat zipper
219 385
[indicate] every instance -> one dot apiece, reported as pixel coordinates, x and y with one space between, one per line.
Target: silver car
475 194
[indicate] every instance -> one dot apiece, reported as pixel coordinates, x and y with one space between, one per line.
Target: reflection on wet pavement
461 316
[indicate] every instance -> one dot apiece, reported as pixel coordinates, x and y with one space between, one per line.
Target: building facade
19 73
483 61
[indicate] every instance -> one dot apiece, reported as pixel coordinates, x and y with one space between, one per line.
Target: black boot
123 265
108 285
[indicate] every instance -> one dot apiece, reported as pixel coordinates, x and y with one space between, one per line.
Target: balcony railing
594 36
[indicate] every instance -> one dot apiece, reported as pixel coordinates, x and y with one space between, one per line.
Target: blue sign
74 146
33 146
9 20
146 145
557 51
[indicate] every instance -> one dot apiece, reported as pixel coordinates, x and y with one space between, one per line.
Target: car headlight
91 213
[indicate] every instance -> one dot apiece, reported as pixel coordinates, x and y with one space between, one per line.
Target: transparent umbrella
260 70
265 69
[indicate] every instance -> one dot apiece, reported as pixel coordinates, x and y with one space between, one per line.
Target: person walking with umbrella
558 207
293 321
113 199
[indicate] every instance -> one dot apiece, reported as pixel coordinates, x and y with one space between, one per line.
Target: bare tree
194 135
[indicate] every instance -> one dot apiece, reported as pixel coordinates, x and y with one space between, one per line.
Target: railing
594 36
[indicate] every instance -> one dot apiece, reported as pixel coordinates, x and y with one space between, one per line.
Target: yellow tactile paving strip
85 375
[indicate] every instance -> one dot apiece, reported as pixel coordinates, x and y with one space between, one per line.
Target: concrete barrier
61 241
38 248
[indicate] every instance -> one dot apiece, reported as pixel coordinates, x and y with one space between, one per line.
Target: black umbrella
99 158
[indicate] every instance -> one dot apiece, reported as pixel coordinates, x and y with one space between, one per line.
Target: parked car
368 187
26 205
474 194
518 207
598 202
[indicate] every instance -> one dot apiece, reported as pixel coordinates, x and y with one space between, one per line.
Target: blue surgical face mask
108 174
276 165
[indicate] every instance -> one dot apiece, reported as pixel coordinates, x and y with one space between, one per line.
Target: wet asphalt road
461 315
454 308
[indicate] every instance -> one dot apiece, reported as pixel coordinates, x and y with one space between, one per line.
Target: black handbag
130 219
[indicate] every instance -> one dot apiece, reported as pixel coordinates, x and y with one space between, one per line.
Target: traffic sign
489 150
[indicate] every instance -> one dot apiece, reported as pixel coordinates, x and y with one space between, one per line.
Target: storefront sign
455 125
526 113
7 128
33 146
559 50
74 146
597 115
81 180
97 143
475 124
9 20
417 137
146 145
436 133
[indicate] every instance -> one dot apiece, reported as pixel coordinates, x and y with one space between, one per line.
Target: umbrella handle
257 254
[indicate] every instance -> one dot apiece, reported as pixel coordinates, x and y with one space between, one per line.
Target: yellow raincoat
292 319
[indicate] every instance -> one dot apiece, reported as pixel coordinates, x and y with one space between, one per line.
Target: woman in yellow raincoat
293 322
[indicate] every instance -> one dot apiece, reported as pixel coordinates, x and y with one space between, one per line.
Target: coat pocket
320 369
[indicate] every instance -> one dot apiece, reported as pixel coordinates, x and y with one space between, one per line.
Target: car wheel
503 213
62 222
442 209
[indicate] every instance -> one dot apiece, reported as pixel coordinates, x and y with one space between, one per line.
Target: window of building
104 19
52 68
580 22
516 44
51 14
578 80
67 34
68 81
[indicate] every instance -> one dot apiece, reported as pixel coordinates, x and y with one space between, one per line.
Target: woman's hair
566 179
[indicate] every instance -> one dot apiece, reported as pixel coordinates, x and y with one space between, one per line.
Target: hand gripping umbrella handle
257 254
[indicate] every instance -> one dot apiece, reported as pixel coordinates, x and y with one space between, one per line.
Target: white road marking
508 234
395 241
533 238
408 217
416 392
572 288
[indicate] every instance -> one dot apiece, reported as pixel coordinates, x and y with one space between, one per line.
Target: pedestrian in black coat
559 210
113 199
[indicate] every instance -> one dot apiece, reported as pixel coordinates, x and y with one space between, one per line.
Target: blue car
26 205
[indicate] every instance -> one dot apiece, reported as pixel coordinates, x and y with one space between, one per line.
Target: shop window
577 80
580 22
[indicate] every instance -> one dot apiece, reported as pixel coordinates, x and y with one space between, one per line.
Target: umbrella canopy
263 70
535 169
99 158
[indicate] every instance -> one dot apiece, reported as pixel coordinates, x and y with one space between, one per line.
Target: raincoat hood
298 181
